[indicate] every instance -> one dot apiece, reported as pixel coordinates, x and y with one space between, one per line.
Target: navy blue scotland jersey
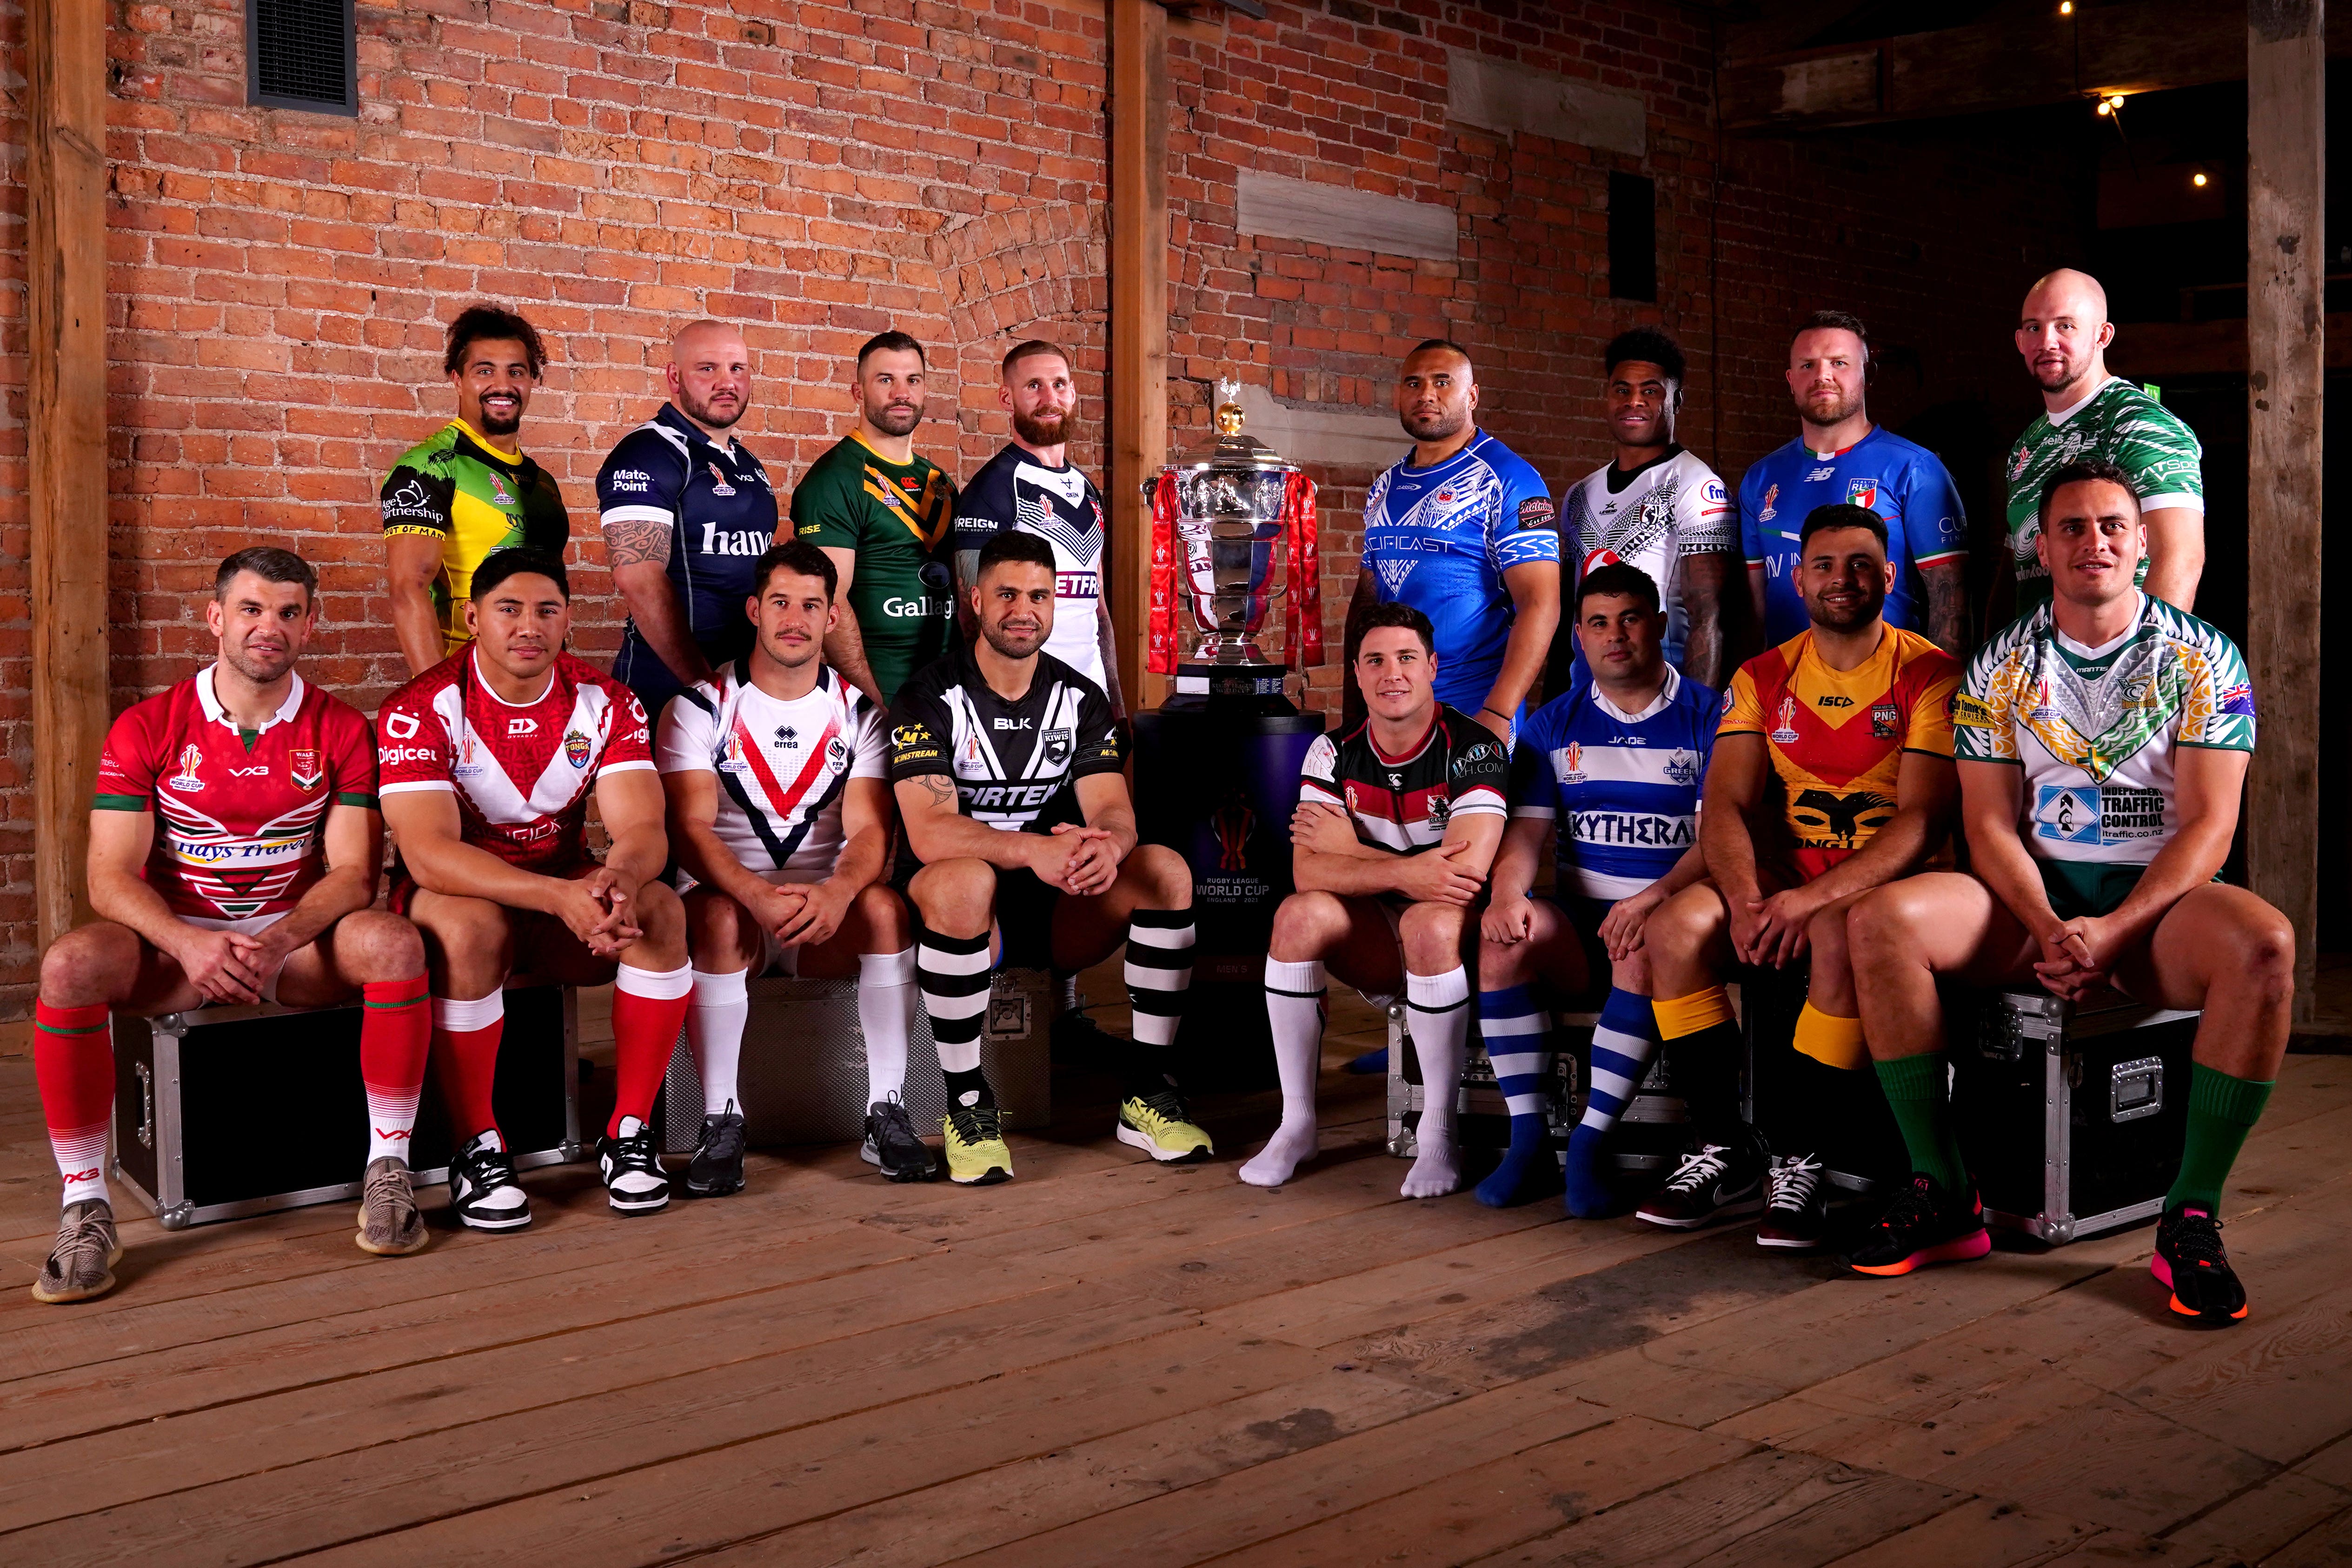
721 514
1623 787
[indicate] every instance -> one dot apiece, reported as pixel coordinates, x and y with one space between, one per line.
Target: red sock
465 1061
73 1062
395 1033
648 1010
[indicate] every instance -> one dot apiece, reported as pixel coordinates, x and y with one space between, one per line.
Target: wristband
1506 717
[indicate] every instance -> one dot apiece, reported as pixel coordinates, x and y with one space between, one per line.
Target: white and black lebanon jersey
782 766
1403 804
1015 764
1062 507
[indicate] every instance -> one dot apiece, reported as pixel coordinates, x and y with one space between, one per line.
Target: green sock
2221 1110
1916 1093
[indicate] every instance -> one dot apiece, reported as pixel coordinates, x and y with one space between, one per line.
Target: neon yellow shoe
1160 1125
976 1151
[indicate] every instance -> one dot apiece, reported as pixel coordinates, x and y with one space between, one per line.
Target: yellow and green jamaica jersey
452 486
895 516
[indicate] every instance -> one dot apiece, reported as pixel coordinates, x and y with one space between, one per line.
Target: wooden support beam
1139 320
65 269
2286 357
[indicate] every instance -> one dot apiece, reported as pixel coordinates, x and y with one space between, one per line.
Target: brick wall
816 171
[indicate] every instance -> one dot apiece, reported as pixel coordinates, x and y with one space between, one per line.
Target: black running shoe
1924 1224
2189 1263
634 1181
891 1146
1720 1182
716 1169
482 1187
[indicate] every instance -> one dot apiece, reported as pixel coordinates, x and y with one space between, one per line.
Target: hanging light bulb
2115 101
2197 179
2065 7
2106 107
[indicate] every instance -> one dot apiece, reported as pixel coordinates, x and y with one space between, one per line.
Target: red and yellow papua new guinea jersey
1836 738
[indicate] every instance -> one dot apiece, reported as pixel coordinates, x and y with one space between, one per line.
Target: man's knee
84 967
714 922
1431 934
1684 924
887 929
1165 874
659 913
956 897
372 946
1886 922
459 924
1307 926
2264 948
1826 934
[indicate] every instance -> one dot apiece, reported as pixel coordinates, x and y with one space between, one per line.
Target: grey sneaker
390 1225
82 1263
891 1145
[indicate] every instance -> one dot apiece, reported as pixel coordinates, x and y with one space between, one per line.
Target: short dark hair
1427 343
483 323
891 342
1012 544
1031 348
1647 344
802 559
515 562
270 565
1843 514
1395 614
2081 471
1617 579
1836 321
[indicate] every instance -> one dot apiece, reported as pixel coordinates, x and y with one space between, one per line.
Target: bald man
2089 415
688 513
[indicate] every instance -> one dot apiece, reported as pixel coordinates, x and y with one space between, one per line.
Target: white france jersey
1653 519
782 766
1625 788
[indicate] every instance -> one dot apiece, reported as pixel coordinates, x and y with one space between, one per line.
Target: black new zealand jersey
1015 764
1403 804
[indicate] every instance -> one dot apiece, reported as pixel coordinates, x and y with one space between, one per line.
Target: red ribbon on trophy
1160 645
1304 644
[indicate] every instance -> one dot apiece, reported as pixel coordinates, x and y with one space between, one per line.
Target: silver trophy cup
1229 528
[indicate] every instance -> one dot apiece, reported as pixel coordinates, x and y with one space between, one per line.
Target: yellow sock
1681 1016
1830 1040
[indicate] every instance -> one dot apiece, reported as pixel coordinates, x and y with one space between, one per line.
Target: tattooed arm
639 551
1946 583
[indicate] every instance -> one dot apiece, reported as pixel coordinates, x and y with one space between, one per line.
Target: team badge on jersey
575 749
1886 721
837 752
1683 769
1057 744
1862 492
185 781
303 767
1786 735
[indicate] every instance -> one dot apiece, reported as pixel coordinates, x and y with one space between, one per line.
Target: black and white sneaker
634 1181
1720 1182
891 1145
482 1187
1796 1206
716 1169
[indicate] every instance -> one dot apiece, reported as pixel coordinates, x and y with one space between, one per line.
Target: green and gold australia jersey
2096 730
895 516
2125 427
454 487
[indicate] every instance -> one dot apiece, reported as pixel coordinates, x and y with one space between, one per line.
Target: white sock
886 1011
714 1032
81 1164
1294 1012
1439 1012
391 1117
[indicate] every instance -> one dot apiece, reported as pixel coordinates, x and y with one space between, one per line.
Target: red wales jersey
521 772
241 815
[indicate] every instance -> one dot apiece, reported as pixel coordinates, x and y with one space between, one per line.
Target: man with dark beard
1031 486
687 513
882 515
1844 734
466 489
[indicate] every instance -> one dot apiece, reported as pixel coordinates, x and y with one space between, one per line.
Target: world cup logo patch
575 749
1786 735
185 781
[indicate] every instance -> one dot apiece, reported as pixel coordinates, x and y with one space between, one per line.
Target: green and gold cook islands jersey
2125 427
452 486
2096 730
896 518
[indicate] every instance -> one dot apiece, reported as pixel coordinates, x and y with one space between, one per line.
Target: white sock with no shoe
1438 1007
1294 1011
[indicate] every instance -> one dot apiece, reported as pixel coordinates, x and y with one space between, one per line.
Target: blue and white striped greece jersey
1624 786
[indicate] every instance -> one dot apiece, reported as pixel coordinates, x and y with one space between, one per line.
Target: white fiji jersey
1674 508
782 766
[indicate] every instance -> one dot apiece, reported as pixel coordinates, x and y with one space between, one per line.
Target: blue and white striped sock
1623 1043
1514 1026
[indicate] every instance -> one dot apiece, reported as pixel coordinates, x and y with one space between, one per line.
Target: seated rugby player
1615 764
1832 775
2102 743
234 847
780 813
1398 820
487 761
1005 763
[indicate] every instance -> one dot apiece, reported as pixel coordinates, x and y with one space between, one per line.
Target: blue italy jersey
721 514
1440 539
1900 481
1624 787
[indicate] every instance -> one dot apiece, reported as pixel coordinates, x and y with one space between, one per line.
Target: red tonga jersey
521 773
241 815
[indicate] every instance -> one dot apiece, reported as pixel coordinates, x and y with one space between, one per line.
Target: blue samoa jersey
1623 787
1900 481
720 514
1441 538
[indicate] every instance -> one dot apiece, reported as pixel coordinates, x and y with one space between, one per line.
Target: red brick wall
817 171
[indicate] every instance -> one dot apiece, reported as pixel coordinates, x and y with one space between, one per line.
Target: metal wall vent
302 54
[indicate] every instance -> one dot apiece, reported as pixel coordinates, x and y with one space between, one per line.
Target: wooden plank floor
1108 1363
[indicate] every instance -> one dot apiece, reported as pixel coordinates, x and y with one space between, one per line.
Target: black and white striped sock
1158 972
952 973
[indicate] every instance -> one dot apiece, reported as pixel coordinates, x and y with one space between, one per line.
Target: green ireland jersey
2096 730
2120 424
454 487
895 516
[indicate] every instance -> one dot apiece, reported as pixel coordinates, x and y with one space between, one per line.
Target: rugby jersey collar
668 417
1436 716
2061 416
216 713
2083 651
1658 704
474 656
1469 449
488 453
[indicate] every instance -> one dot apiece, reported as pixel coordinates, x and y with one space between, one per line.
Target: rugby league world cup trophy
1216 767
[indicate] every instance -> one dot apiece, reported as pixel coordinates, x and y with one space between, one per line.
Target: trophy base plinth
1202 679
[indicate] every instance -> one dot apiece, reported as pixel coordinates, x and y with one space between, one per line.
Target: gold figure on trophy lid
1228 413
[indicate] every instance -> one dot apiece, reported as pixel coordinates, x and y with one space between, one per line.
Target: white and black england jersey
782 766
1015 764
1062 507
